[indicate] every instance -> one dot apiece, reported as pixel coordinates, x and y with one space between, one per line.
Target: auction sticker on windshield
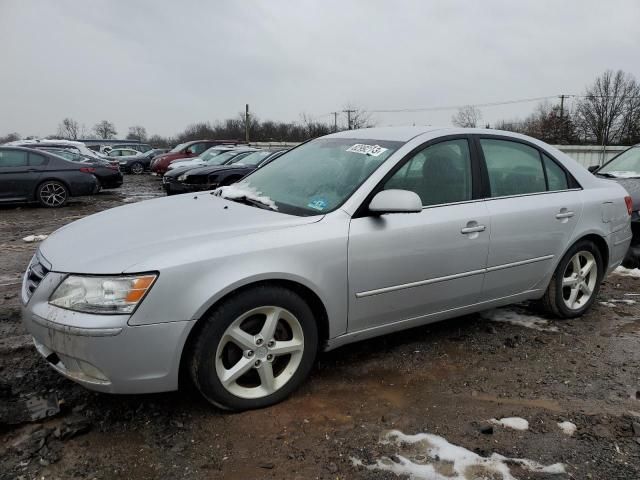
373 150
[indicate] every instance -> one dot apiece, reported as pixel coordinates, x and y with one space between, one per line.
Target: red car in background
160 164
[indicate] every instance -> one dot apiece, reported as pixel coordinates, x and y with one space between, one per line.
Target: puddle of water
431 457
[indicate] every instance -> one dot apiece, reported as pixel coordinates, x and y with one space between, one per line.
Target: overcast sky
166 64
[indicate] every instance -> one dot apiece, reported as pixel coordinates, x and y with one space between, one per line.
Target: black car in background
137 164
30 175
107 174
216 157
624 169
214 176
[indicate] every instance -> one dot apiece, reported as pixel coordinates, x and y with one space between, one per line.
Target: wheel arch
48 179
311 297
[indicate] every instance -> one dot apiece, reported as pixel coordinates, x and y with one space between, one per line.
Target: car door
406 266
534 206
14 175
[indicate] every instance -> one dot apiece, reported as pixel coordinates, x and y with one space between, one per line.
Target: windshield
222 158
252 159
320 175
177 148
209 154
625 165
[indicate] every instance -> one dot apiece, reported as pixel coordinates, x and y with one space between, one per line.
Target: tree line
230 129
607 113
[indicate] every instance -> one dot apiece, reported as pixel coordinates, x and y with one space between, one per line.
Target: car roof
17 147
397 134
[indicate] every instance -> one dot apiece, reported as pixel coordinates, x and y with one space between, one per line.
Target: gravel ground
447 379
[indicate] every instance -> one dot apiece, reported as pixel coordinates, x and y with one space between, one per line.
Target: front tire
254 349
52 194
576 282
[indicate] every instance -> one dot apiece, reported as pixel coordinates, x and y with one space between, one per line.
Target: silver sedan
343 238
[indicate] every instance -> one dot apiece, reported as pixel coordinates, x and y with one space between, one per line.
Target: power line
455 107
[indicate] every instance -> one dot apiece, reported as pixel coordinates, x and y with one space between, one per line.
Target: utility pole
349 112
335 121
562 97
246 123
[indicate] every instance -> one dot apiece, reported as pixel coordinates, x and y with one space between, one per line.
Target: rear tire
136 168
576 282
267 335
52 194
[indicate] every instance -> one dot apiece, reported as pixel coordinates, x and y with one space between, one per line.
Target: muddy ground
447 379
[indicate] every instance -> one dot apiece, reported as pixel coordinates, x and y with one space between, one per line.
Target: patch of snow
515 423
507 315
607 304
244 190
431 457
567 428
626 301
627 272
34 238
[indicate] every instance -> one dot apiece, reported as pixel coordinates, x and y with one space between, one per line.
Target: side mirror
593 168
395 201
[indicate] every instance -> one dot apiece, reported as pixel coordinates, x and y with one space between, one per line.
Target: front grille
35 274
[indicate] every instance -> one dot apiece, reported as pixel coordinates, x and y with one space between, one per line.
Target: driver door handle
476 229
562 215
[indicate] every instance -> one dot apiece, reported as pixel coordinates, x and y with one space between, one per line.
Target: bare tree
69 129
105 129
467 117
138 133
358 117
10 137
610 110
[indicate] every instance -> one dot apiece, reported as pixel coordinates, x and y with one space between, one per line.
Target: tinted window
13 158
35 160
514 168
439 174
199 148
556 176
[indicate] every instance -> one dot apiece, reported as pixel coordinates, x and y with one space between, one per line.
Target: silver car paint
371 275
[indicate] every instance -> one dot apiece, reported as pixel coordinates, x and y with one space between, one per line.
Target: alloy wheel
259 352
53 194
579 280
137 168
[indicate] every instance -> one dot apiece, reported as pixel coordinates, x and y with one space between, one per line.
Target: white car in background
77 147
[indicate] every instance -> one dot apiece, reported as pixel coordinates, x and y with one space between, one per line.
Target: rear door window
36 160
556 176
514 168
12 158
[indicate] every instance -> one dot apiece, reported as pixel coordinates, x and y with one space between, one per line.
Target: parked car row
160 164
224 167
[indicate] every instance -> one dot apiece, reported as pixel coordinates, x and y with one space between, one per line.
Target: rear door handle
476 229
562 215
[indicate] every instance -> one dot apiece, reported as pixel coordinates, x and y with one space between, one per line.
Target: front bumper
104 352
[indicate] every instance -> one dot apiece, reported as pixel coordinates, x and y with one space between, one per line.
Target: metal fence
588 155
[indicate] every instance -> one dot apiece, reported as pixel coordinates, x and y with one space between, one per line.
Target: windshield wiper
621 177
250 201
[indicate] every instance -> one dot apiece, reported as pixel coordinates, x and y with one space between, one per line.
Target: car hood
217 168
631 185
144 235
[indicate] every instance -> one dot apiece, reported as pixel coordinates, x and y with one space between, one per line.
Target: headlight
113 295
182 177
